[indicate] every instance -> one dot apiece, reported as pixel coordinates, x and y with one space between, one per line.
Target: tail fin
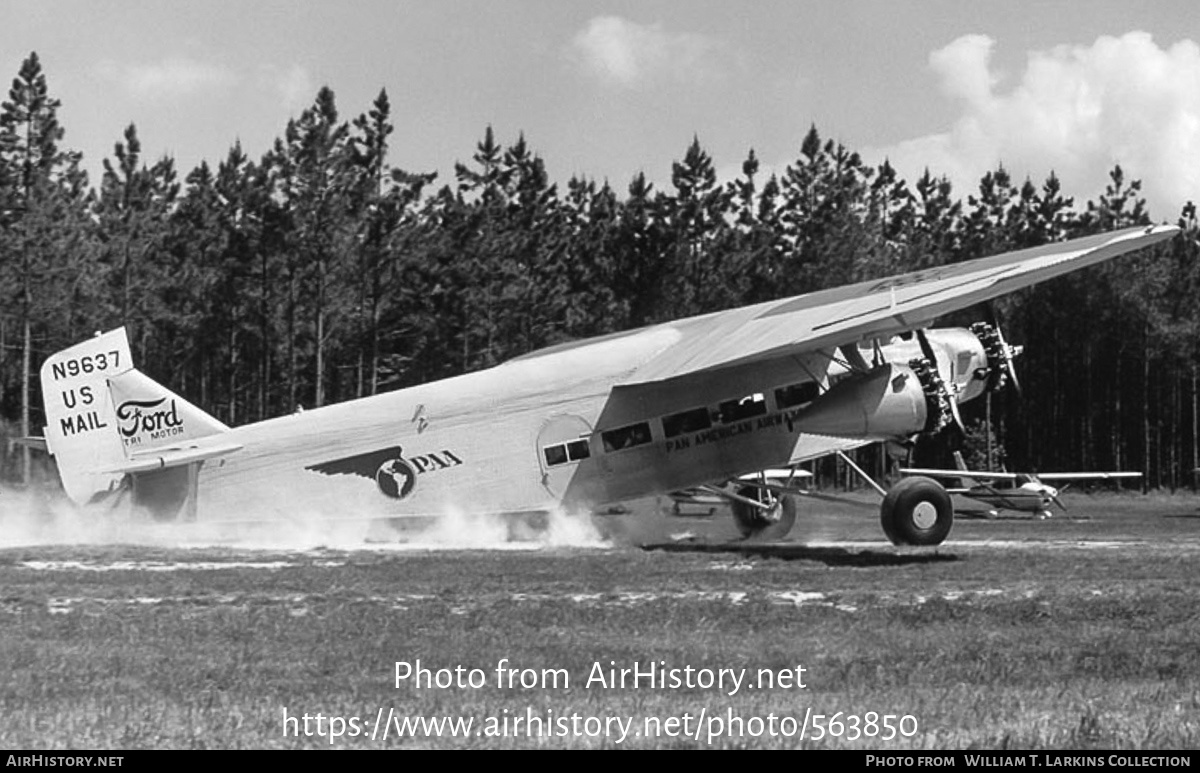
80 420
102 414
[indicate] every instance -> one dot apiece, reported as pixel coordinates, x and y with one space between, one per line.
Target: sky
606 90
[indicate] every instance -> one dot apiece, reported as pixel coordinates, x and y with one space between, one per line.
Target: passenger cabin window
688 421
578 449
570 451
626 437
746 408
796 394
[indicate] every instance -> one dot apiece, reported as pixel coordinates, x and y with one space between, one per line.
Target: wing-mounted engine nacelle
889 401
999 371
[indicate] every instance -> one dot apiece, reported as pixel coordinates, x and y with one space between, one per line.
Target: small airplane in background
695 402
1020 492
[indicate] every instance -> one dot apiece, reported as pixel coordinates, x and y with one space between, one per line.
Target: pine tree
40 211
317 146
383 202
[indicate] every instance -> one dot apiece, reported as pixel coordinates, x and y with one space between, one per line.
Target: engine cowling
887 402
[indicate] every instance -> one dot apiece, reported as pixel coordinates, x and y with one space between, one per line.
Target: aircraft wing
1043 476
874 309
1086 475
959 474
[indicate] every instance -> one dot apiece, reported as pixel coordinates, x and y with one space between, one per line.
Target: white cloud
964 68
295 87
170 78
623 53
1077 111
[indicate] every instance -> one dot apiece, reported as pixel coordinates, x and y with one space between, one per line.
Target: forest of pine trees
320 273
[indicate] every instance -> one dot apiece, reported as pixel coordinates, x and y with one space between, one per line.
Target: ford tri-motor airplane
1018 491
677 405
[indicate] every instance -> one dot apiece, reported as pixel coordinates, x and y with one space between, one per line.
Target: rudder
80 421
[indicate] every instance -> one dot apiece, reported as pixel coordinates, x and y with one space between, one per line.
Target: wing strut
862 473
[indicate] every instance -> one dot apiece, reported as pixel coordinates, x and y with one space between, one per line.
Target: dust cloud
269 521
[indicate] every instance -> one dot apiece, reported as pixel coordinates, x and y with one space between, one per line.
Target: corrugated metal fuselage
478 443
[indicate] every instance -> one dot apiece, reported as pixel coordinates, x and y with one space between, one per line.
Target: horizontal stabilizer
164 458
36 443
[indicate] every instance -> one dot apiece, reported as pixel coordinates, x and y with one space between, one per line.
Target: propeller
1054 492
1000 354
1051 493
955 426
1008 354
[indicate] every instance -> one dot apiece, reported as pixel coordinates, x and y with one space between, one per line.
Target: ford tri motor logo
147 417
395 475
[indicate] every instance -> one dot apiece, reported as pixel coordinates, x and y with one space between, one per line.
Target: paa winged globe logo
396 478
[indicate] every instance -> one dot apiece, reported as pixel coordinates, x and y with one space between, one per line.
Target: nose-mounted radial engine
914 389
1000 354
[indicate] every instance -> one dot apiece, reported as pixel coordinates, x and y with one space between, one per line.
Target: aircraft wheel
917 511
773 524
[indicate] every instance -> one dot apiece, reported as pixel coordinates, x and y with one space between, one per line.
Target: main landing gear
763 509
917 511
761 514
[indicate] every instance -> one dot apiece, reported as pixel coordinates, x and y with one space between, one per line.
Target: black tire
917 511
753 523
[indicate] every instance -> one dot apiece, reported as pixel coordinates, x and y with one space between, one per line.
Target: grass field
1070 633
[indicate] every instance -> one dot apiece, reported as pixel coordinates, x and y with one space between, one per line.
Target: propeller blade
1008 354
1054 498
956 432
1012 379
926 347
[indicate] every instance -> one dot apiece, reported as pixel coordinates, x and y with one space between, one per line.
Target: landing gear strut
771 519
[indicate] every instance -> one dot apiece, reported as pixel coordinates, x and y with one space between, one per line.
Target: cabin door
563 442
